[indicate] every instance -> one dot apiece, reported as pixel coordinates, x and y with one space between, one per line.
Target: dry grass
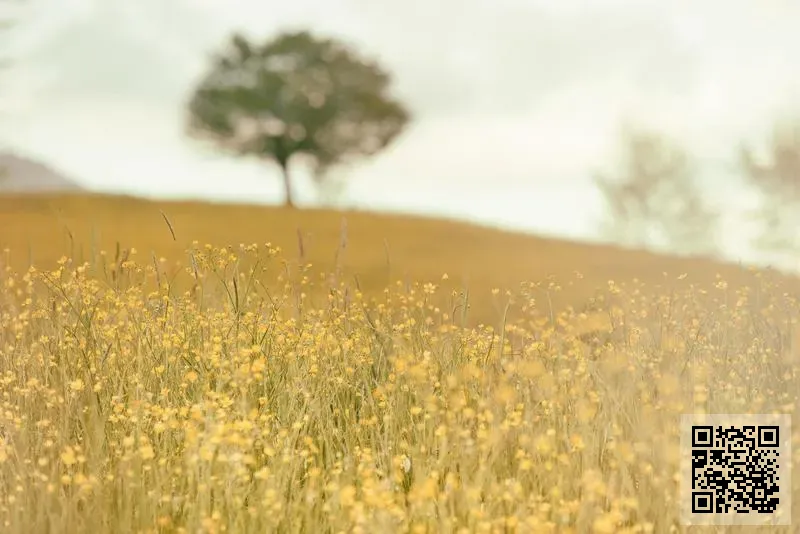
379 249
240 392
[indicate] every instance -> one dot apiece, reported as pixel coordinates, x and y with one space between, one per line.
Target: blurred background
523 111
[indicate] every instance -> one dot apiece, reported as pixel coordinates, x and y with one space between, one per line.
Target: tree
777 178
296 95
655 199
8 19
7 23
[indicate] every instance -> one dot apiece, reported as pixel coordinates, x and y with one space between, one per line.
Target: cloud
448 57
118 49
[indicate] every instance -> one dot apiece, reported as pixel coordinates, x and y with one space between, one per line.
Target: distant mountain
19 174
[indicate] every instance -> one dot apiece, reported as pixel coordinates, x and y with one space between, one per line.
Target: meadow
179 367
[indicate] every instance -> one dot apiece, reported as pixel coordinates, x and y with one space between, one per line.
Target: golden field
373 250
401 375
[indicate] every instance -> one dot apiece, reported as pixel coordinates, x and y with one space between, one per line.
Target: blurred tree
8 19
5 23
296 95
655 201
777 178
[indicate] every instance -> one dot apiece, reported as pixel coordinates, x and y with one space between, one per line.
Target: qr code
739 469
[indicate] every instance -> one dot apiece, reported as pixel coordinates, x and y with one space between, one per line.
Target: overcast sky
517 102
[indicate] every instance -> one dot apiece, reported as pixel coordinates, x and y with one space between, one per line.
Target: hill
377 248
19 174
273 415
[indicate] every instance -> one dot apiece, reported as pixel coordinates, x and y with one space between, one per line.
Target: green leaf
296 94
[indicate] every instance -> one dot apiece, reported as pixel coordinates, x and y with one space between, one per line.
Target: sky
517 103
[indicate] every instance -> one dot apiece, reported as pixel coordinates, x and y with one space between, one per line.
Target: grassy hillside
241 393
376 248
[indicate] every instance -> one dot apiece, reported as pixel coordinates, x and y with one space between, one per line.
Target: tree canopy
654 200
777 178
296 95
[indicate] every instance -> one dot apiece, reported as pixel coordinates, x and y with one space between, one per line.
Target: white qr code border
783 511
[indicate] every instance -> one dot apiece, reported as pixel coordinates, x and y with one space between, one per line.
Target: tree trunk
287 185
